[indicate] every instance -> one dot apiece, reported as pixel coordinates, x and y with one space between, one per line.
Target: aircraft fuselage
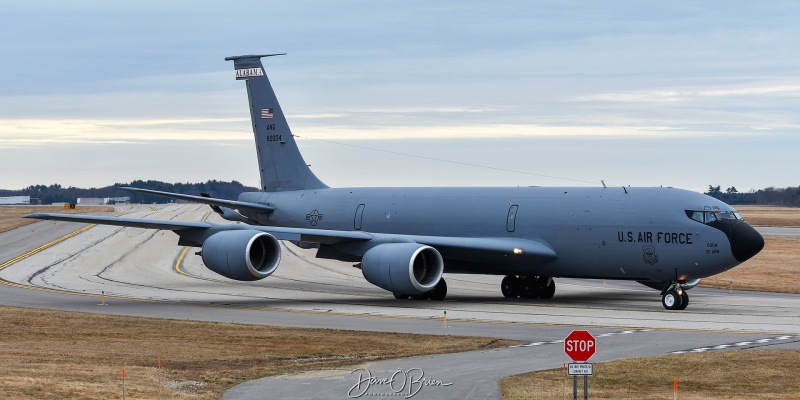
611 233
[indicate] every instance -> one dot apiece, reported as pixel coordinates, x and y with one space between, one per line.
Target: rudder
280 163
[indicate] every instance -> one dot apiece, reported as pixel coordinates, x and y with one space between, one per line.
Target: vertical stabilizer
280 163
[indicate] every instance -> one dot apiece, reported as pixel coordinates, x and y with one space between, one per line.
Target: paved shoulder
776 231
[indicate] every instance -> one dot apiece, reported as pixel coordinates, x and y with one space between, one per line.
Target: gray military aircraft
404 238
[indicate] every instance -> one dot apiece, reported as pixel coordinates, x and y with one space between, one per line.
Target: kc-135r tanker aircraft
405 238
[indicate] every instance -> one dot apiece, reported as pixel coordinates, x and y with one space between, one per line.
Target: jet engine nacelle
407 268
245 255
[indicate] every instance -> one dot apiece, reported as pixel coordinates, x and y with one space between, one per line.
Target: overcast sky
678 93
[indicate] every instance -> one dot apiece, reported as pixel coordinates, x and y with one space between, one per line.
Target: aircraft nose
745 241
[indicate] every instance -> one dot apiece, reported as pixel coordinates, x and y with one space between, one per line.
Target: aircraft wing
236 205
132 222
463 248
498 245
488 249
202 230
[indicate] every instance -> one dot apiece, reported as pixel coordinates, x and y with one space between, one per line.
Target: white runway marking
771 340
534 344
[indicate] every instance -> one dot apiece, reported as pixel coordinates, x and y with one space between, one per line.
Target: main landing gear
674 297
437 293
528 287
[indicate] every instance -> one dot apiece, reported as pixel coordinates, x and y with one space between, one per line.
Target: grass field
770 215
735 374
66 355
11 216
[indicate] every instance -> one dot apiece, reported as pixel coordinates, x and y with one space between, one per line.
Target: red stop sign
580 345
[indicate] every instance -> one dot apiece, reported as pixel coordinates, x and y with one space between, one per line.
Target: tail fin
281 165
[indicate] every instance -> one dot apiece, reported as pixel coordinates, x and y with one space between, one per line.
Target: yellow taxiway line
45 246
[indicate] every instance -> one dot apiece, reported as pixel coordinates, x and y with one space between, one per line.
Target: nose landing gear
674 297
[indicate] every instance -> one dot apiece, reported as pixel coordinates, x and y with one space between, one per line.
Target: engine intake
407 268
245 255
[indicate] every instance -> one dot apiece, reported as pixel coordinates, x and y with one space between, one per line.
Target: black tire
439 292
400 296
684 301
671 300
548 290
529 289
510 286
421 296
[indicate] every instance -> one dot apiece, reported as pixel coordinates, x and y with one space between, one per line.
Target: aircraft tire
684 301
549 290
439 292
422 296
400 296
671 300
529 289
510 286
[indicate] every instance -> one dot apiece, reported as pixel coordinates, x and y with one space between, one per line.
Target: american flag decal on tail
266 113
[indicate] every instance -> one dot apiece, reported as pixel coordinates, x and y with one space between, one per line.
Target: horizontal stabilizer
234 58
236 205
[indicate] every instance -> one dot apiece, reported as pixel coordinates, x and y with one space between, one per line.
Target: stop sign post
580 346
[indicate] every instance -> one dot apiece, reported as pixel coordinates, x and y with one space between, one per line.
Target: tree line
770 196
57 194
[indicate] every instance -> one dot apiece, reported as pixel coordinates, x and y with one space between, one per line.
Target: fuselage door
358 217
511 221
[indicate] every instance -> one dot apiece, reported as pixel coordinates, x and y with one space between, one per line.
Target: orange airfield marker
675 388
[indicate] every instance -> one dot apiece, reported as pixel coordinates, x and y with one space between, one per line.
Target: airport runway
132 263
778 231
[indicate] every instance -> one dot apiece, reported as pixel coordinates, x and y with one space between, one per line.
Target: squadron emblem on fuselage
649 255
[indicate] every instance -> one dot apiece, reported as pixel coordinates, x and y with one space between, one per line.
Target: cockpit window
696 215
726 215
706 217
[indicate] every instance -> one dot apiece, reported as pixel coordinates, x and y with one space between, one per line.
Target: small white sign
249 72
580 369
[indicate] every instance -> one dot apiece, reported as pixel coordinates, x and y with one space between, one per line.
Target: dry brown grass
774 269
740 374
11 216
56 355
770 215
